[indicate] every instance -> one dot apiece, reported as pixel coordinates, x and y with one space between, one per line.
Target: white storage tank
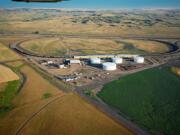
109 66
95 61
139 59
117 60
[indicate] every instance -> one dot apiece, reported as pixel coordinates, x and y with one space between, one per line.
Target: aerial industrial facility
81 70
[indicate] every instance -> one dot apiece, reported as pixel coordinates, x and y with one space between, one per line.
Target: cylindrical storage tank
139 59
117 60
95 61
109 66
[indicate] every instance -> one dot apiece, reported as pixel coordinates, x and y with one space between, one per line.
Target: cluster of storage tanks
110 66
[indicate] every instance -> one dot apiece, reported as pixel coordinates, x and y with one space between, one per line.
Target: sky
97 4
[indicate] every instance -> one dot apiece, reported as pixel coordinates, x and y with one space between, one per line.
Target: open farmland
6 54
34 87
70 114
77 46
54 95
150 98
7 75
66 112
155 22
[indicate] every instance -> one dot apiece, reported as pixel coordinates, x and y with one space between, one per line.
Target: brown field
76 46
138 23
6 54
72 115
34 88
6 40
67 27
55 46
7 75
15 64
149 46
66 115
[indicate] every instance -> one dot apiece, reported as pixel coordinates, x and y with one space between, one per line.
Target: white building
61 66
50 62
68 61
117 60
95 61
139 59
75 62
109 66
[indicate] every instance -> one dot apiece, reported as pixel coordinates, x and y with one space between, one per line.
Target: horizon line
61 8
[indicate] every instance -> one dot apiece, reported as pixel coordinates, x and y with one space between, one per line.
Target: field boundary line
36 113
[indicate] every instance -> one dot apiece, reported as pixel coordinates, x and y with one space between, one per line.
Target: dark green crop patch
150 98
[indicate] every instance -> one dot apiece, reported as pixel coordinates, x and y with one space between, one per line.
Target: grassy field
76 46
6 54
149 98
7 95
7 74
149 46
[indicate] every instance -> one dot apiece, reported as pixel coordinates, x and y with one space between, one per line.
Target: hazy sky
106 4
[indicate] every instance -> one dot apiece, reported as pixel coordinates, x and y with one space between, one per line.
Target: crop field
7 75
71 114
149 98
77 46
6 54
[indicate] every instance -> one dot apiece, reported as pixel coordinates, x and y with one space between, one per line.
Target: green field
150 98
8 93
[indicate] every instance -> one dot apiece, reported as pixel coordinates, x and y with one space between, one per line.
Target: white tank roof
117 60
95 61
109 66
